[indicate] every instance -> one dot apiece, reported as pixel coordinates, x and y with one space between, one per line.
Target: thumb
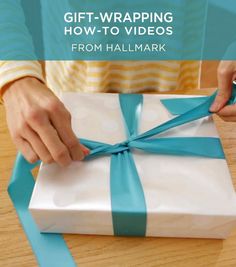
225 77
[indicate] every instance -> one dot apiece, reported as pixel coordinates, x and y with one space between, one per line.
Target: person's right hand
226 74
39 124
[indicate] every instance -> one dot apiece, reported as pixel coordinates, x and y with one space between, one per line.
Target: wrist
18 84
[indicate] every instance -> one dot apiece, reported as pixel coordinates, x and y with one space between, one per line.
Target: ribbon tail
208 147
179 106
127 197
198 112
50 249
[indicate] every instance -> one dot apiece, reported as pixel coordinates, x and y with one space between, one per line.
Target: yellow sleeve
13 70
16 43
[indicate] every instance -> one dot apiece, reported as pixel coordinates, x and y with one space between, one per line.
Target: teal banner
117 30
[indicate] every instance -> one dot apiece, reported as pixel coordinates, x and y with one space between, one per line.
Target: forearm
16 44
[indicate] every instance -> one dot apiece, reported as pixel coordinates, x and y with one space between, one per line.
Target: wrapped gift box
185 196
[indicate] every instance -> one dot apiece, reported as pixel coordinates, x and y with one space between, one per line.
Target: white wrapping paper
185 196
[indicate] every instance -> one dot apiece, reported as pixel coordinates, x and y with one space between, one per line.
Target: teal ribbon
127 196
50 249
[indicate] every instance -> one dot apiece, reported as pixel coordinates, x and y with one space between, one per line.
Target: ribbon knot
121 147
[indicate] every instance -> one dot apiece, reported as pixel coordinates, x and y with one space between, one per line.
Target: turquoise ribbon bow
127 196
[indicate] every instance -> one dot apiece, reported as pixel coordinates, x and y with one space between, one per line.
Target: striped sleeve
13 70
16 44
122 76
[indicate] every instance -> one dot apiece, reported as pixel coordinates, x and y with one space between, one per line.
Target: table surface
108 250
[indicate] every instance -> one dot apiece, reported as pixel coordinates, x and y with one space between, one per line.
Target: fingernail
87 152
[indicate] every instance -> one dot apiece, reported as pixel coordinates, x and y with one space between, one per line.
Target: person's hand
39 124
226 75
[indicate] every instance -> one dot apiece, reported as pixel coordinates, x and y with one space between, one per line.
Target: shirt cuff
14 70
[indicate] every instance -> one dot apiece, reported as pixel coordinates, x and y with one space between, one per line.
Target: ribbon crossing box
156 168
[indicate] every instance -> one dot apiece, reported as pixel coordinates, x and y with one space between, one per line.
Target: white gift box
185 196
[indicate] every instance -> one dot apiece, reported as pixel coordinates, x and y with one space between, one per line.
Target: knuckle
34 115
21 128
222 71
73 143
48 159
53 105
32 159
61 154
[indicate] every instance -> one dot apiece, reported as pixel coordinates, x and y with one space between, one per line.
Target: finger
55 146
225 89
85 150
48 134
228 111
27 150
228 119
62 123
37 145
